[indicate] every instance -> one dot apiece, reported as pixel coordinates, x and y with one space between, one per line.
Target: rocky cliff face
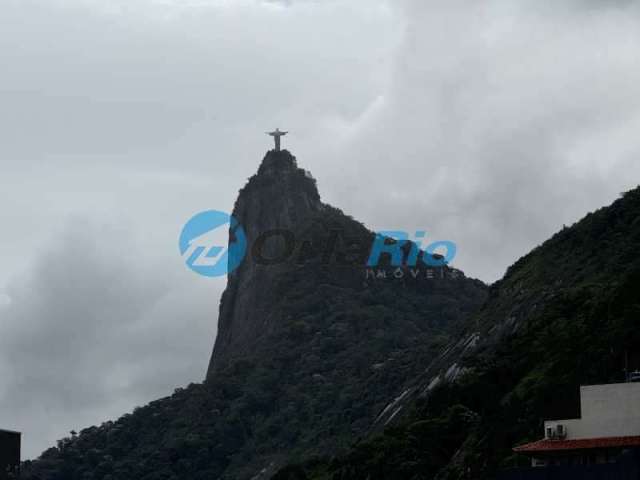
279 198
338 341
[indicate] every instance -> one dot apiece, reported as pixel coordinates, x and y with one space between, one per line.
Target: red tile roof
547 445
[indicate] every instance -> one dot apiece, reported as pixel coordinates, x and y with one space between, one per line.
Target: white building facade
611 410
609 426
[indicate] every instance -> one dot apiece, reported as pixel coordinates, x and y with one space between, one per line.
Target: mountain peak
309 349
277 161
279 197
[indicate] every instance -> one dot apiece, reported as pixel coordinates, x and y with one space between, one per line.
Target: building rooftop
548 445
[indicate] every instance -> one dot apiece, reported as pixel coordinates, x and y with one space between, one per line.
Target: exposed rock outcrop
280 197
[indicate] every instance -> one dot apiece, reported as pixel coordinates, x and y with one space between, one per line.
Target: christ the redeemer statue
276 134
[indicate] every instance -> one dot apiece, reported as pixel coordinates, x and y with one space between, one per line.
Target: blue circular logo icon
213 243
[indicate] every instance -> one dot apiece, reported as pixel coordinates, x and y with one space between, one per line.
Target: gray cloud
96 327
490 124
137 115
501 122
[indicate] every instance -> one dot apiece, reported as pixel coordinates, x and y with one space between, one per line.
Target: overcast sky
490 124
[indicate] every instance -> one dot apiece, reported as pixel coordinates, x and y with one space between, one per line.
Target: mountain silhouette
309 350
321 370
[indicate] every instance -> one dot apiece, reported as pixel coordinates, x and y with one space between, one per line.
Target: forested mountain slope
567 314
310 351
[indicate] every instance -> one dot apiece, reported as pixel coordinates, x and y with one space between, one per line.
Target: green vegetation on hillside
576 305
